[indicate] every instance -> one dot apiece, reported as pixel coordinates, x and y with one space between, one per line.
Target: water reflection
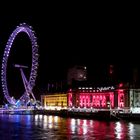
57 128
131 130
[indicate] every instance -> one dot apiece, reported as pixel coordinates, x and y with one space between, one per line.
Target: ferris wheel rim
23 27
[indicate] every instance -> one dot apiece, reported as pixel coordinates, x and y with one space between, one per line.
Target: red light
97 99
111 69
120 85
120 98
70 99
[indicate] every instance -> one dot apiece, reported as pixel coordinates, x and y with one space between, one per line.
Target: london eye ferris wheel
30 83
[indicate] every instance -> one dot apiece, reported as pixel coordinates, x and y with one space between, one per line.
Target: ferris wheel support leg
25 82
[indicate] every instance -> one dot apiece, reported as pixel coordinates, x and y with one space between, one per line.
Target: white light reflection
40 117
84 122
131 130
91 122
56 119
84 130
118 129
50 124
84 127
36 117
78 122
73 125
50 119
45 119
73 121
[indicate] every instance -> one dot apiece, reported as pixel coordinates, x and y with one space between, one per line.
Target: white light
56 119
50 119
40 117
50 126
118 130
73 121
91 122
45 119
84 122
85 127
131 130
36 117
78 121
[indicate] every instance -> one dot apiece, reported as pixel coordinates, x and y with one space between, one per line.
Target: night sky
76 36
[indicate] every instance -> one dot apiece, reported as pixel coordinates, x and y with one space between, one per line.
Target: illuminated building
134 100
99 97
54 101
88 97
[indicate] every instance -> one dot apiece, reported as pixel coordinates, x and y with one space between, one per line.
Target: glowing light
84 122
73 121
70 99
97 100
78 121
120 85
85 127
120 98
131 130
111 69
45 119
50 119
40 117
105 88
56 119
118 129
36 117
50 126
91 122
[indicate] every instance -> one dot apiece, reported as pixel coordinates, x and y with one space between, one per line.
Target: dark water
42 127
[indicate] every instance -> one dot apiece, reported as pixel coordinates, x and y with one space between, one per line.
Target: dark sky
73 35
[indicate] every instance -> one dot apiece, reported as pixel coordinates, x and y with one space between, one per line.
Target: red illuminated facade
107 97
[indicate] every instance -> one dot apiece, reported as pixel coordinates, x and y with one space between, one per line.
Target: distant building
77 73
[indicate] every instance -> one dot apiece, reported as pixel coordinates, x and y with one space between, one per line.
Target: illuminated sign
98 88
105 88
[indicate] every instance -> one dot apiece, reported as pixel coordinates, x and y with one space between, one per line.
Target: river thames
42 127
